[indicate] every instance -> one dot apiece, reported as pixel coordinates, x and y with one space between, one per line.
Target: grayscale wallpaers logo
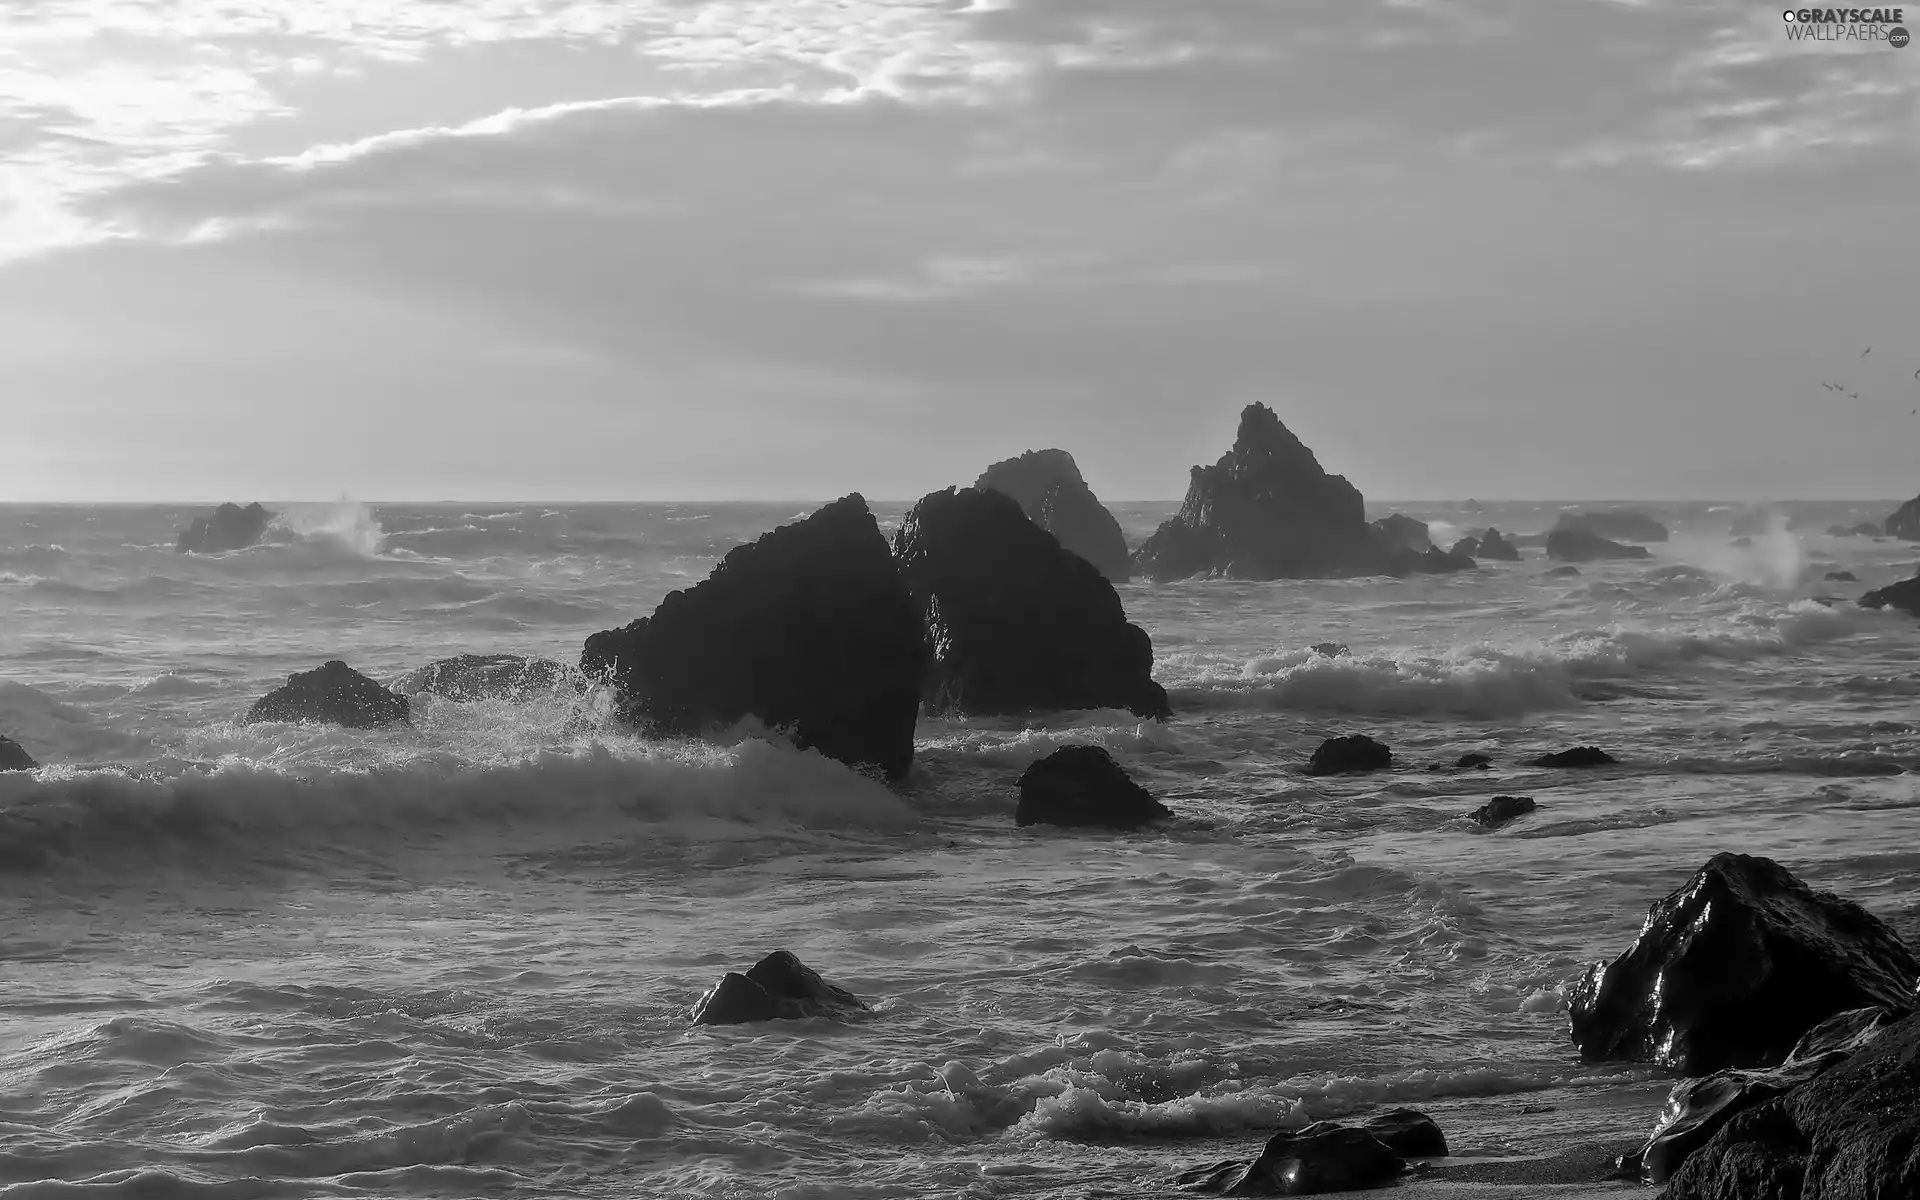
1847 25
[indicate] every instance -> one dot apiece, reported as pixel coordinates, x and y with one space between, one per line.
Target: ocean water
456 959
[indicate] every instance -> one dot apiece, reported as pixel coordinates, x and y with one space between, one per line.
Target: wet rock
1017 623
331 694
1623 525
1052 493
1434 562
1904 596
1501 809
1580 545
1349 755
1399 532
1468 546
13 757
1494 546
1561 573
1473 760
1905 521
810 628
229 528
1319 1159
1409 1133
777 988
1842 577
469 677
1083 786
1732 970
1329 649
1579 756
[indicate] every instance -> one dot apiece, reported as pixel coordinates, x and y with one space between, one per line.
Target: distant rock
1560 573
777 988
1501 809
1468 546
1474 761
1734 968
1579 545
331 694
1349 755
1399 532
1863 529
1266 510
1623 525
1329 649
13 757
1409 1132
1842 577
810 628
1079 786
1904 596
1320 1158
229 528
1434 562
1579 756
469 677
1048 485
1743 542
1018 623
1905 521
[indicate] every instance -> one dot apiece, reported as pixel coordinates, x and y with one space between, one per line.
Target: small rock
1083 786
331 694
1346 755
1501 809
1329 649
1474 761
777 988
1579 756
1842 577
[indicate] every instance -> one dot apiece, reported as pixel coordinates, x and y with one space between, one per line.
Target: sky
773 249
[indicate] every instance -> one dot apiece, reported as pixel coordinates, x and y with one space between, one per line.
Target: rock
777 988
1434 562
1493 546
487 677
1904 596
229 528
1619 525
1905 521
1501 809
810 628
1842 577
1468 546
1083 786
1349 755
1579 756
1473 761
13 757
1863 529
1579 545
1048 485
1733 968
1266 510
1409 1133
1743 543
1329 649
1399 532
1561 573
1851 1132
331 694
1017 622
1321 1158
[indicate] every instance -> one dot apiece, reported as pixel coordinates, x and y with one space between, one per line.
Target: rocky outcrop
1320 1158
1048 485
1579 545
229 528
1468 546
1732 970
469 677
810 629
13 757
1494 546
1266 510
1623 525
777 988
1842 577
1349 755
1904 596
1329 649
1501 809
1905 521
1579 756
1473 760
1863 529
1078 786
1017 622
331 694
1434 562
1399 532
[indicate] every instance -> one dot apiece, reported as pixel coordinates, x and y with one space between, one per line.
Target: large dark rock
1409 1132
1493 546
1851 1133
1468 546
468 677
1319 1159
777 988
1580 545
1579 756
331 694
1017 622
810 628
13 757
1905 521
1501 809
229 528
1904 596
1733 968
1266 510
1048 485
1399 532
1349 755
1622 525
1083 786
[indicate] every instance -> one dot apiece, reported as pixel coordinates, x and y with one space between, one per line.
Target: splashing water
345 523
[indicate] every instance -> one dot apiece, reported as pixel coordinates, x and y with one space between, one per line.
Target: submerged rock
1501 809
777 988
1579 756
1399 532
1733 968
1623 525
1049 487
1561 573
229 528
1266 510
468 677
1473 760
1842 577
1083 786
1580 545
331 694
810 628
13 757
1329 649
1905 521
1904 596
1321 1158
1017 622
1349 755
1493 546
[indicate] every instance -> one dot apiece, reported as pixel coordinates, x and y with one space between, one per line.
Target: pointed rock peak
1262 435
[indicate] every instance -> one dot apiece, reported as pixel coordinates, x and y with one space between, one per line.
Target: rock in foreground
1052 493
13 757
468 677
1733 968
1905 521
1349 755
1501 809
331 694
1904 596
1494 546
1580 545
1620 525
777 988
1082 786
810 628
1017 622
229 528
1321 1158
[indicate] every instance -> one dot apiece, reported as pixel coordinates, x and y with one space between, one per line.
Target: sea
456 959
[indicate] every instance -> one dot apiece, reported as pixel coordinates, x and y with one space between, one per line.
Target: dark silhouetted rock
1399 532
1017 623
777 988
1733 969
487 677
1435 562
331 694
1579 545
1347 755
13 757
1842 577
1474 761
1083 786
1905 521
1468 546
1579 756
229 528
1319 1159
1561 573
1329 649
1266 510
1048 485
811 628
1904 596
1493 546
1622 525
1501 809
1409 1133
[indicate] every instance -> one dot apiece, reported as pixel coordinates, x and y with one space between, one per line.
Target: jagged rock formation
229 528
1398 532
1049 487
1904 596
1905 521
1493 546
1622 525
1579 545
1501 809
777 988
13 757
